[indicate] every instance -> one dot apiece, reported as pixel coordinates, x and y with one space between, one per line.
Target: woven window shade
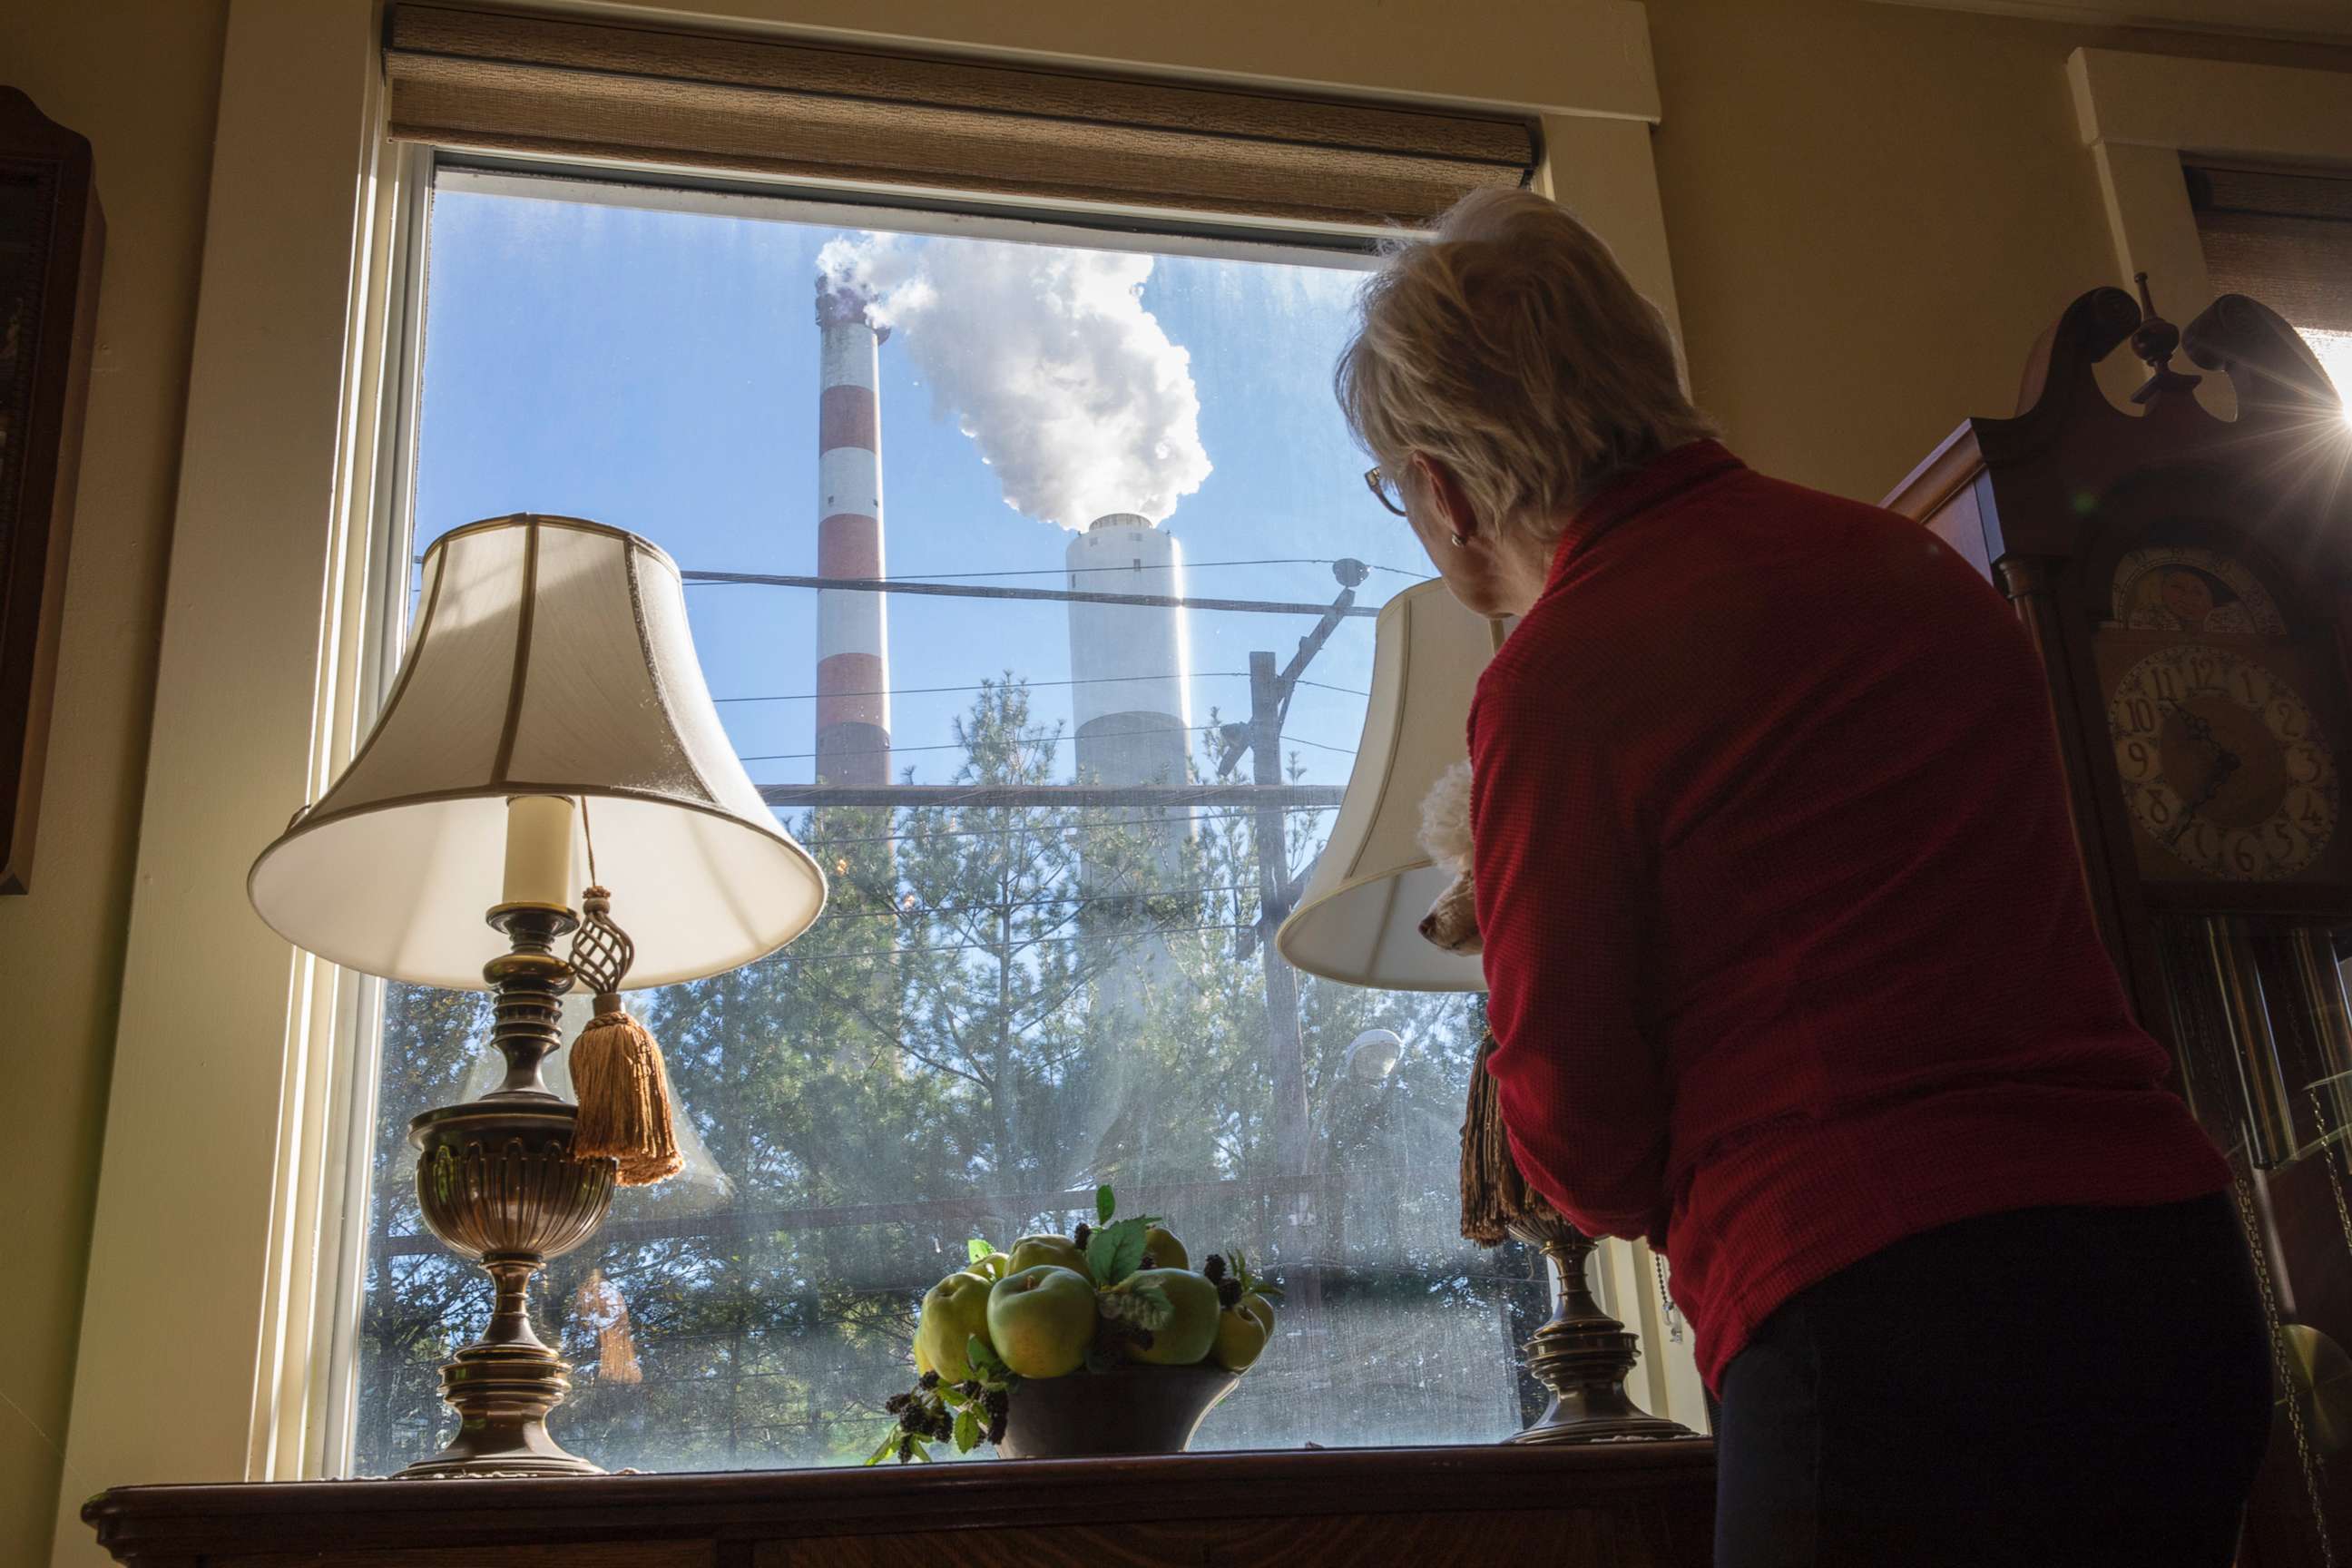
2284 239
616 91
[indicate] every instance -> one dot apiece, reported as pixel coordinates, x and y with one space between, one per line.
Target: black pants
2070 1386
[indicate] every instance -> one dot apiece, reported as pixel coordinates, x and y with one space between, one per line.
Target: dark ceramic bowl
1135 1410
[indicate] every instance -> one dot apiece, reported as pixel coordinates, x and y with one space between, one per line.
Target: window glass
1016 992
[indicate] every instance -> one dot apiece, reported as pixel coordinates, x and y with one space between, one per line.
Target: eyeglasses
1377 480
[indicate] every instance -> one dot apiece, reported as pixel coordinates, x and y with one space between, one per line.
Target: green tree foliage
1002 1006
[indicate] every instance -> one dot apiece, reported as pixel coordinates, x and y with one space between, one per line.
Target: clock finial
2153 340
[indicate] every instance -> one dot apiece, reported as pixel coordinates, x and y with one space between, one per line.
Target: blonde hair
1512 347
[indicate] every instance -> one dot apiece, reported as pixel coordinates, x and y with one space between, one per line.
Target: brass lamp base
1583 1355
498 1182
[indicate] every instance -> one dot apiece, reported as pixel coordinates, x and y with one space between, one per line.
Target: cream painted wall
140 81
1869 211
1873 211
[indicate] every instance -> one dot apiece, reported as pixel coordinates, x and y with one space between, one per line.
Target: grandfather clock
2187 582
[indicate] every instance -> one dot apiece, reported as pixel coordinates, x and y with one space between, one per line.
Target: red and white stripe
853 636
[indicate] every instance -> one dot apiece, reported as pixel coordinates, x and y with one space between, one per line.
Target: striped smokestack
853 629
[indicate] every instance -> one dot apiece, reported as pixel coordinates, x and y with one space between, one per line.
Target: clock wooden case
2187 580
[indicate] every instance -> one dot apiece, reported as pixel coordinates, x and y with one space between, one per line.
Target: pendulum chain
1667 1299
2335 1176
2308 1461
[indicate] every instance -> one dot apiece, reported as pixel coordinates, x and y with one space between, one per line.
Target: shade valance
625 92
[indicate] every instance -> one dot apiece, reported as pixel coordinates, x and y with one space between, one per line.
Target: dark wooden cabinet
51 238
1603 1505
2187 580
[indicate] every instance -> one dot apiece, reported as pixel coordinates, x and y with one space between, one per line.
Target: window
1037 785
2286 240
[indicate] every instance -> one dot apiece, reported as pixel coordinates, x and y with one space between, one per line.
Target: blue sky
657 370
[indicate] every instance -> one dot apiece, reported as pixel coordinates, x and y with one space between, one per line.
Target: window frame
2140 115
231 1104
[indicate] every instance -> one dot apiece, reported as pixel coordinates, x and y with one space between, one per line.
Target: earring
1458 539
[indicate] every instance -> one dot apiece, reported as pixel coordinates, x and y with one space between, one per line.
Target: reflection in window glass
1019 991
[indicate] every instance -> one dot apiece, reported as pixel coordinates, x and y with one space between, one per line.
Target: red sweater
1786 937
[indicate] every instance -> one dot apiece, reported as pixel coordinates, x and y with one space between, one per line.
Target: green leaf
1105 1205
967 1432
975 1249
984 1359
889 1445
1115 1251
922 1452
1145 1305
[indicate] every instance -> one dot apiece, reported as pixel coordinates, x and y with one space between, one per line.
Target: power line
1091 680
1188 566
1054 595
1054 740
978 795
831 843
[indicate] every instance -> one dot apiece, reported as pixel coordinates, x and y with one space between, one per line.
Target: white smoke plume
1046 358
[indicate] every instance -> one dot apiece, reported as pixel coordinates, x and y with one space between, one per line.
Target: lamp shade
549 656
1360 919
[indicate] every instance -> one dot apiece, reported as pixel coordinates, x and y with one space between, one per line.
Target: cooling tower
1130 704
1134 727
853 634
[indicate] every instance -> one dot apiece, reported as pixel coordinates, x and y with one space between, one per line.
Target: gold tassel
624 1092
617 1075
1495 1195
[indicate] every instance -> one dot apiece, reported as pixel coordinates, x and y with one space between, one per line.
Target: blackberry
1228 1293
996 1429
906 1449
1081 1233
970 1388
929 1381
1148 1261
896 1403
914 1418
1213 1268
997 1404
942 1426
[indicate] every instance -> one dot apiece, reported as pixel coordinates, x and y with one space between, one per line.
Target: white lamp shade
550 656
1360 919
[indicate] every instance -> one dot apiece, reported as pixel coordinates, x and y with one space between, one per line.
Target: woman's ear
1451 501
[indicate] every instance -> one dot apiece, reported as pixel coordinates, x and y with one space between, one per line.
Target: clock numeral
2285 842
2155 808
2246 853
2199 841
2303 764
2308 809
2138 715
2288 720
2166 683
2249 691
2137 761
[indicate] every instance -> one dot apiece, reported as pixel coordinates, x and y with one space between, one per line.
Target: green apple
1191 1329
1241 1336
953 1310
1042 1320
1166 1251
1259 1308
993 1266
1060 1250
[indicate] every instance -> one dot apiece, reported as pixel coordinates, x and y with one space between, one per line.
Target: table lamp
1360 922
550 716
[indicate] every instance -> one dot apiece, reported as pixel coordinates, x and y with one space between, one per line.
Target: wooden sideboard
1615 1505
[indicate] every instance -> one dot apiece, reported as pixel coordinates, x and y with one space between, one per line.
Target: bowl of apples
1107 1341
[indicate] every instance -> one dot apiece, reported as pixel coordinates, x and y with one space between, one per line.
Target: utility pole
1294 1152
1284 1044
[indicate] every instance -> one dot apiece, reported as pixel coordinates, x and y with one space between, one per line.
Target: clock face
2222 762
